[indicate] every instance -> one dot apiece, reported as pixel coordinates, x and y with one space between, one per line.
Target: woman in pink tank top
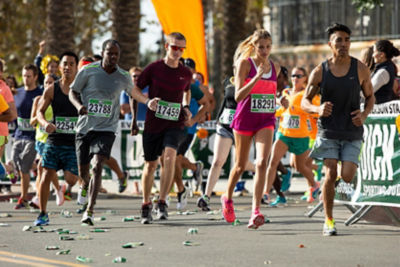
255 83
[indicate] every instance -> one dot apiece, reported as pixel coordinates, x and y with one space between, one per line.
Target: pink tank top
257 110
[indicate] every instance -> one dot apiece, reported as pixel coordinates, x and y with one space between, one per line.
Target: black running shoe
203 202
145 213
123 183
87 218
162 213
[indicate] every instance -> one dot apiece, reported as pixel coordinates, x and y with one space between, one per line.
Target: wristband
186 106
147 101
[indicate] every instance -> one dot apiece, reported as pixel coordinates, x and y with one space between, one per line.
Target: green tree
366 4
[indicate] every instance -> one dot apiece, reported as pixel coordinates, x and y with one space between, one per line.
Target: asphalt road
290 239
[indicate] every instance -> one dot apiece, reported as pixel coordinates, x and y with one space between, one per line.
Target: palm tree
125 29
60 26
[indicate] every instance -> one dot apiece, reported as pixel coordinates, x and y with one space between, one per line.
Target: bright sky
149 22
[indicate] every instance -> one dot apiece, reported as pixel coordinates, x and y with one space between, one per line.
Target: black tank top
228 102
344 94
64 117
385 93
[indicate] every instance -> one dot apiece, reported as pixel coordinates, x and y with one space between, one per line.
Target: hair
285 72
304 72
175 36
53 76
97 57
2 63
388 48
135 68
337 27
70 54
112 42
12 77
31 67
366 57
201 75
245 48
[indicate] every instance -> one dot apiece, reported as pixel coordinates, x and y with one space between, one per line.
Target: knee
239 168
262 164
151 166
218 163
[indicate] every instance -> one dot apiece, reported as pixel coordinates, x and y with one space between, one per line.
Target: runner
23 150
222 143
59 150
293 134
255 83
99 86
339 80
168 108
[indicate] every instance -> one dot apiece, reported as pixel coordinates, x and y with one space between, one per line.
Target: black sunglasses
297 76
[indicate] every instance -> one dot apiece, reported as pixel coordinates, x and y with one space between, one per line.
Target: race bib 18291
168 110
263 103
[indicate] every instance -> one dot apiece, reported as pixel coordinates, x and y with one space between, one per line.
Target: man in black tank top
339 81
59 150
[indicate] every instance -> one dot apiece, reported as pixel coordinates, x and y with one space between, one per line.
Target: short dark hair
337 27
31 67
71 54
112 42
176 36
97 57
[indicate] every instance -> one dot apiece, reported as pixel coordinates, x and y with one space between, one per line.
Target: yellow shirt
3 104
294 121
41 134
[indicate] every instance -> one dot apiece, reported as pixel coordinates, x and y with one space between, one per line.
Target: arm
199 117
367 89
134 108
380 78
6 116
44 103
243 70
76 101
185 103
33 121
210 97
313 89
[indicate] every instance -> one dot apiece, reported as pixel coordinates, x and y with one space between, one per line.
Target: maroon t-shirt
168 84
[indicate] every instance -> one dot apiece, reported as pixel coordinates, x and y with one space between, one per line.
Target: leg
222 146
114 166
263 140
302 166
278 151
48 175
25 180
95 182
84 174
329 186
178 173
167 172
148 178
348 171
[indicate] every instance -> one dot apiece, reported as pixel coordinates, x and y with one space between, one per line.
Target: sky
149 37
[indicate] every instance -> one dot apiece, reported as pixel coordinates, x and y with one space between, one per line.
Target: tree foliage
366 4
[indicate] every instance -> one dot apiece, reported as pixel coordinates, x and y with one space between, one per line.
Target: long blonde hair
246 47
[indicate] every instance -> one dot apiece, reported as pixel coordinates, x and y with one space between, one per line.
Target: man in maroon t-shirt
169 97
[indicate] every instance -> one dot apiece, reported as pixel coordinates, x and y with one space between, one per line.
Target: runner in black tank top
340 127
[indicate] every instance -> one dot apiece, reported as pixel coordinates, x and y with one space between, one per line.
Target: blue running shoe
239 186
278 200
42 220
286 180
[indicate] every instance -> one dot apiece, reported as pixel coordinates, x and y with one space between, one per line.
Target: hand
284 102
358 117
325 110
261 69
152 104
187 114
134 128
82 111
42 45
50 128
190 122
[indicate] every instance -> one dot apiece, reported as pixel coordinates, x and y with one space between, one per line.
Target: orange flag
186 17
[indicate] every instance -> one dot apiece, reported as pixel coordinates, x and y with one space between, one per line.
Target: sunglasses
176 48
297 76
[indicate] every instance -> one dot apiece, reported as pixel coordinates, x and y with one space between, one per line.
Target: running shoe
82 209
42 220
265 199
145 213
3 172
305 195
239 186
313 192
34 203
67 195
329 228
82 196
123 183
203 202
60 195
87 218
162 213
286 180
278 201
198 174
182 199
21 204
227 209
256 220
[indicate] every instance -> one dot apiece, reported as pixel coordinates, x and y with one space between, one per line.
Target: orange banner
186 17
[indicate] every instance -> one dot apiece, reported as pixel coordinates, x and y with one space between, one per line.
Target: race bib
24 125
168 110
99 108
291 122
227 116
263 103
66 125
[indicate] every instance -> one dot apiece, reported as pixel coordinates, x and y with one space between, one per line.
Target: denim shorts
60 158
342 150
